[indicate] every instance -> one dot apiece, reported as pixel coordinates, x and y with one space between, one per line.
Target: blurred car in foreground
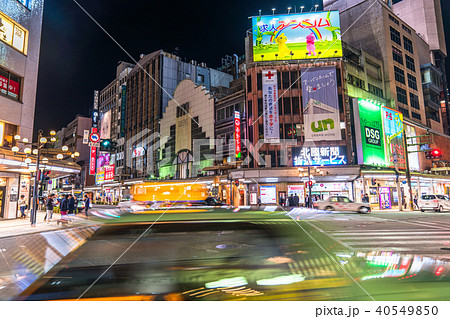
438 203
342 203
220 255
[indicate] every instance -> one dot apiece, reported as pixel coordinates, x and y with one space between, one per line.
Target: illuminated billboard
381 135
297 36
105 125
319 155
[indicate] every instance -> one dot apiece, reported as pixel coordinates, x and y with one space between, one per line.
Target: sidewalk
15 227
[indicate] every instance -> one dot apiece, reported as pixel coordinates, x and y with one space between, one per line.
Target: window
375 90
249 83
406 28
200 78
294 79
397 55
410 63
260 107
182 109
412 82
405 112
394 20
285 76
414 101
401 96
13 34
407 44
395 36
259 81
399 75
355 81
295 105
416 115
10 84
287 105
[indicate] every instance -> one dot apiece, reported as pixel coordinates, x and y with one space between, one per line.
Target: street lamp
65 148
42 140
59 156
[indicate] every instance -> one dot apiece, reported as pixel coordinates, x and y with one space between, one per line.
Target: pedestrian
23 206
71 205
49 208
259 202
307 201
404 201
296 200
87 203
365 198
291 200
64 206
416 201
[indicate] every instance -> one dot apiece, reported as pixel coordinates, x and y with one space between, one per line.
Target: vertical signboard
393 135
92 160
122 110
373 151
270 104
109 172
320 104
86 137
237 133
105 125
95 111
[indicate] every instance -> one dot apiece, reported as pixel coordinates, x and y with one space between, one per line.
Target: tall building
112 109
20 40
381 31
72 137
425 17
150 86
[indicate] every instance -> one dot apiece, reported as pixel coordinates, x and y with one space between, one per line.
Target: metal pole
309 187
36 183
399 193
408 172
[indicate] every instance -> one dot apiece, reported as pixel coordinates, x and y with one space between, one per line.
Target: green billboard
372 138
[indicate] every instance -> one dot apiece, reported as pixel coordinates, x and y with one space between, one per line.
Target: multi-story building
72 137
112 107
425 17
187 133
150 86
20 39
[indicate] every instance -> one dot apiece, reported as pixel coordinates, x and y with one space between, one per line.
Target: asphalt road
24 258
407 232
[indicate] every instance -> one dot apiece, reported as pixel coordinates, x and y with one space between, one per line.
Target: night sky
77 57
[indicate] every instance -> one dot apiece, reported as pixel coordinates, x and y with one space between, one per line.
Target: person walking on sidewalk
87 203
71 205
64 206
49 208
23 206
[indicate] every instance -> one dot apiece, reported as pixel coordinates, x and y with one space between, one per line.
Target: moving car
342 203
221 256
438 203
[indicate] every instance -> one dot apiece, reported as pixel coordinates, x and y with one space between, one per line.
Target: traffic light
46 176
435 153
309 184
236 183
106 145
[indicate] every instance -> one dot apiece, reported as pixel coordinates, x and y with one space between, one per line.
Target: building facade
20 39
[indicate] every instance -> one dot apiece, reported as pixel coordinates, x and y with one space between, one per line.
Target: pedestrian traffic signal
435 153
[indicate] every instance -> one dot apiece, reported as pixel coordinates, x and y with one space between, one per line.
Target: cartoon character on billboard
282 47
310 44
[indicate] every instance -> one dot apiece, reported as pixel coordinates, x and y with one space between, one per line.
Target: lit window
13 34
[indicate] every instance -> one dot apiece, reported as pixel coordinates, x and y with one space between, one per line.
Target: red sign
92 160
94 137
3 84
237 133
13 88
109 172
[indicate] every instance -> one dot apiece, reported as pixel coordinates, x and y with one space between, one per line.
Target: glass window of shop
7 133
13 34
10 84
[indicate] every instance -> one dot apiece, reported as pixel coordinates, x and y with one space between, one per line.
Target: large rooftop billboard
297 36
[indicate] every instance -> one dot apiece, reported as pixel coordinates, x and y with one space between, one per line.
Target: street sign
94 144
94 137
86 136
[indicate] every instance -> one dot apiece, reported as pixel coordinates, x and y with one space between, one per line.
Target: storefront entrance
2 201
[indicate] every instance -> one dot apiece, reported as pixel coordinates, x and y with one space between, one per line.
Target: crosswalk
412 240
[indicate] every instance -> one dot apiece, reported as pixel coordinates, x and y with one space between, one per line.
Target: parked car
435 202
342 203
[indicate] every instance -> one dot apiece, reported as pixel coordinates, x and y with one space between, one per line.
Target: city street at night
241 151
